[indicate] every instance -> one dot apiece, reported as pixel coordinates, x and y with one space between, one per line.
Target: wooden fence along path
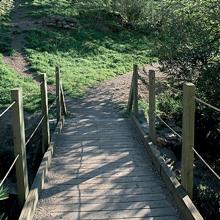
104 166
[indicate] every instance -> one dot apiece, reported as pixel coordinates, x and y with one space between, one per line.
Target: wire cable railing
169 127
189 99
52 104
181 138
9 170
197 154
7 109
169 86
207 104
35 130
18 128
207 165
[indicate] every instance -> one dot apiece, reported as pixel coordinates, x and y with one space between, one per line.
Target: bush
3 193
208 83
170 105
131 11
189 37
3 196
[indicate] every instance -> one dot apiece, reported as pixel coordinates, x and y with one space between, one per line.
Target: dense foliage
188 45
188 33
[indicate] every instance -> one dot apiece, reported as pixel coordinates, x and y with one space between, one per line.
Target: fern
3 193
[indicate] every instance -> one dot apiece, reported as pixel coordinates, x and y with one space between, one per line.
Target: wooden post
152 106
45 123
135 89
131 95
58 94
19 145
63 100
188 137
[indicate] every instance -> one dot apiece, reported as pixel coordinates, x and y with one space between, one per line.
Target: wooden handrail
188 125
19 146
133 94
20 161
63 103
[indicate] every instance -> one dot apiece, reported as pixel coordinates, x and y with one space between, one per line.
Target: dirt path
18 61
20 22
119 87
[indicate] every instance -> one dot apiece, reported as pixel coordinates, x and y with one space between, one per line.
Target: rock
66 26
170 136
177 172
162 142
145 126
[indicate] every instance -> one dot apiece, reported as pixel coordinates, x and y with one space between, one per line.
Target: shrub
3 196
170 105
131 11
189 38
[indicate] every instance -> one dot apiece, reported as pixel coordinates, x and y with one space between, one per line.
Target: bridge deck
101 171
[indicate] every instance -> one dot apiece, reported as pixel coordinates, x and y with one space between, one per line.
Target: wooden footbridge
103 166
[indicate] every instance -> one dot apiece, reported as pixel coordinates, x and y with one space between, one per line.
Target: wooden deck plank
119 206
55 199
140 213
100 171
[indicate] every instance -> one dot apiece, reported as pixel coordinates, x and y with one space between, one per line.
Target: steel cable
35 130
9 170
7 109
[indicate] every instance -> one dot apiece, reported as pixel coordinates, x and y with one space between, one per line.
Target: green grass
85 57
10 79
100 48
5 8
5 37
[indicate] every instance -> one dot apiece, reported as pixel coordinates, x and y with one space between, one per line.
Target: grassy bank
10 79
98 48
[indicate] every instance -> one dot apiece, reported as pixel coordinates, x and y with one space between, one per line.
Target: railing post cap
151 71
135 66
18 89
42 75
57 68
189 84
